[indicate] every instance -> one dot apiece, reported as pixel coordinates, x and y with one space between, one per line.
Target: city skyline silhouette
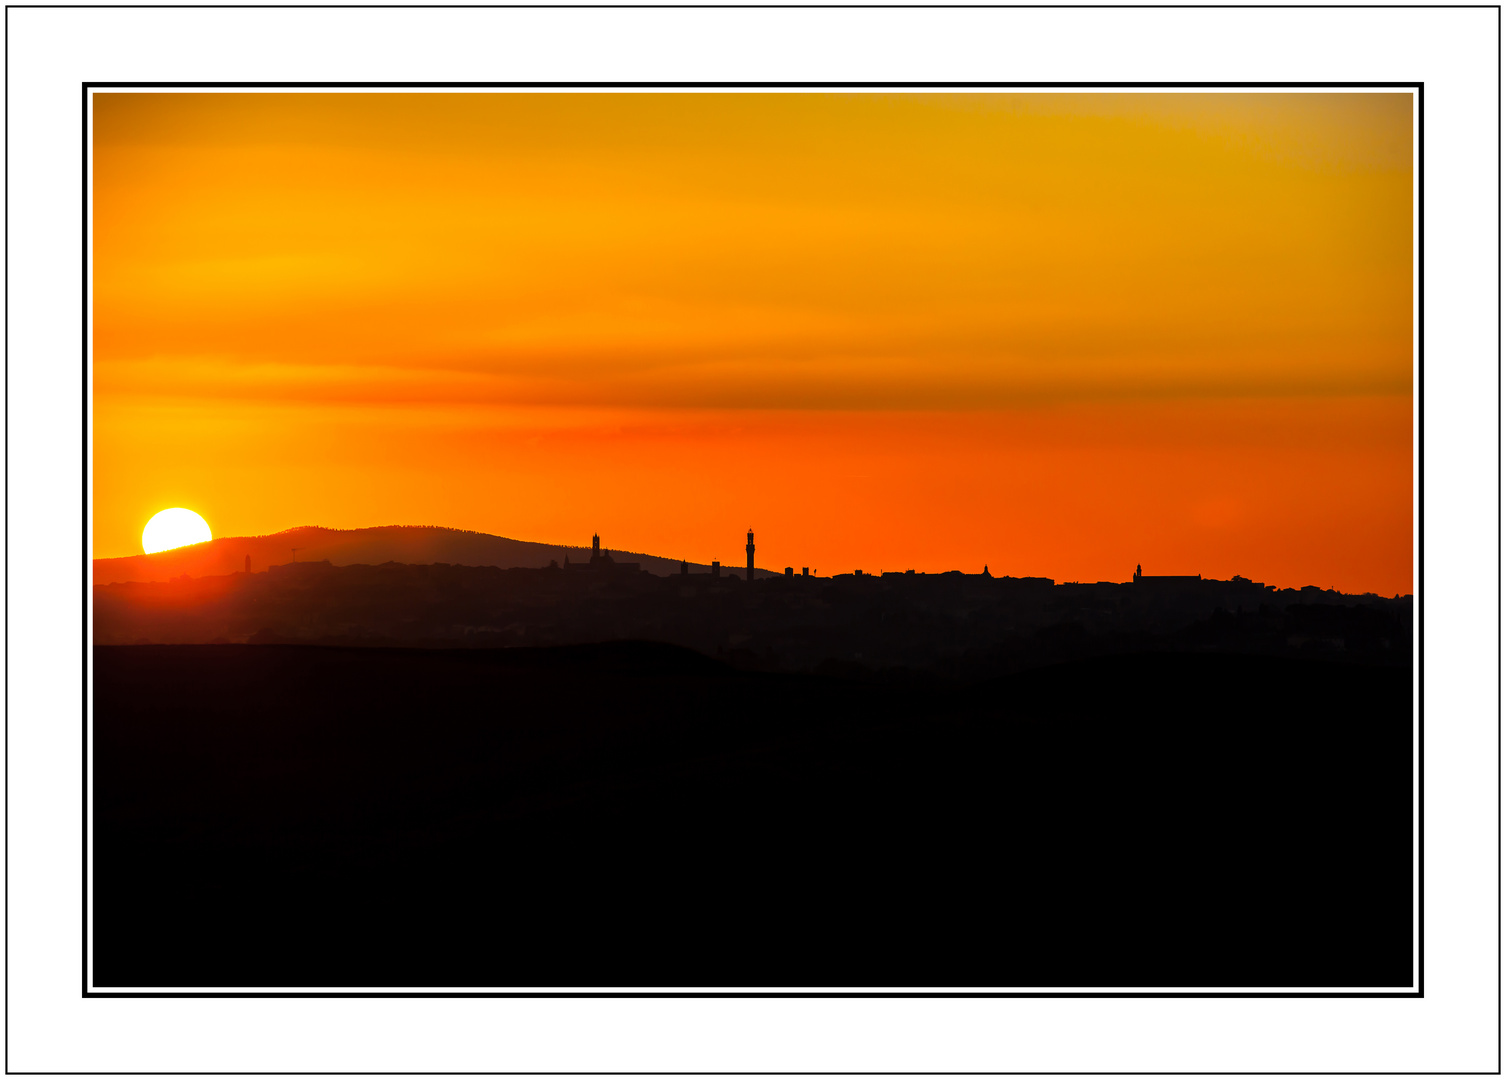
421 544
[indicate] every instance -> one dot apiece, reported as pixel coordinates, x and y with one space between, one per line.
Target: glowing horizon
1058 334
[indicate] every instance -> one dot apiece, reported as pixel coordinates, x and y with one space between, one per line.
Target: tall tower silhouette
595 546
750 554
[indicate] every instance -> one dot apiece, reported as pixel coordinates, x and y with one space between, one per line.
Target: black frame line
87 89
6 511
792 6
1417 587
758 85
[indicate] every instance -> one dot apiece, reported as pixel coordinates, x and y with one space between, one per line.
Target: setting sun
174 528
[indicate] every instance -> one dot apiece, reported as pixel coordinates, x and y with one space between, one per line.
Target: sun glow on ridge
174 528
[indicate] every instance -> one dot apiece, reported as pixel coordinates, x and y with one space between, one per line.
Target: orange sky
1058 334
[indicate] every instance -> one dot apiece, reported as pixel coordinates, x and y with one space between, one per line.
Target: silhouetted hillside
950 624
639 815
344 547
630 780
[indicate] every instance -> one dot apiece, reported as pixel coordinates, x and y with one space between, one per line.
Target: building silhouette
1164 579
600 560
750 554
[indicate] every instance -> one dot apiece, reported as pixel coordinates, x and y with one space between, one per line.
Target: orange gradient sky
1059 334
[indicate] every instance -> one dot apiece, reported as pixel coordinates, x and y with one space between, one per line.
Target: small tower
684 568
595 547
750 554
1137 572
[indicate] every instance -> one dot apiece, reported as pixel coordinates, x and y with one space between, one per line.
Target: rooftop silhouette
951 623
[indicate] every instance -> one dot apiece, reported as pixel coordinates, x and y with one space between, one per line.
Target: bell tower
750 554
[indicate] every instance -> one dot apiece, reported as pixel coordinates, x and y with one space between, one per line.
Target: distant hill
418 544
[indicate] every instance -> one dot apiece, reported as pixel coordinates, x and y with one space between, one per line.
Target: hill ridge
376 544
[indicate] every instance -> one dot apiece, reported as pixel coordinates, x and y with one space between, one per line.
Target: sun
172 529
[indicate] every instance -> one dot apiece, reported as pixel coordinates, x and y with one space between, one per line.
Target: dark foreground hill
634 815
954 625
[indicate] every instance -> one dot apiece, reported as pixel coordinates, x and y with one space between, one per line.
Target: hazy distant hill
348 547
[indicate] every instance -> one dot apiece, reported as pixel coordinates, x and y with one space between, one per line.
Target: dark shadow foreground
636 815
